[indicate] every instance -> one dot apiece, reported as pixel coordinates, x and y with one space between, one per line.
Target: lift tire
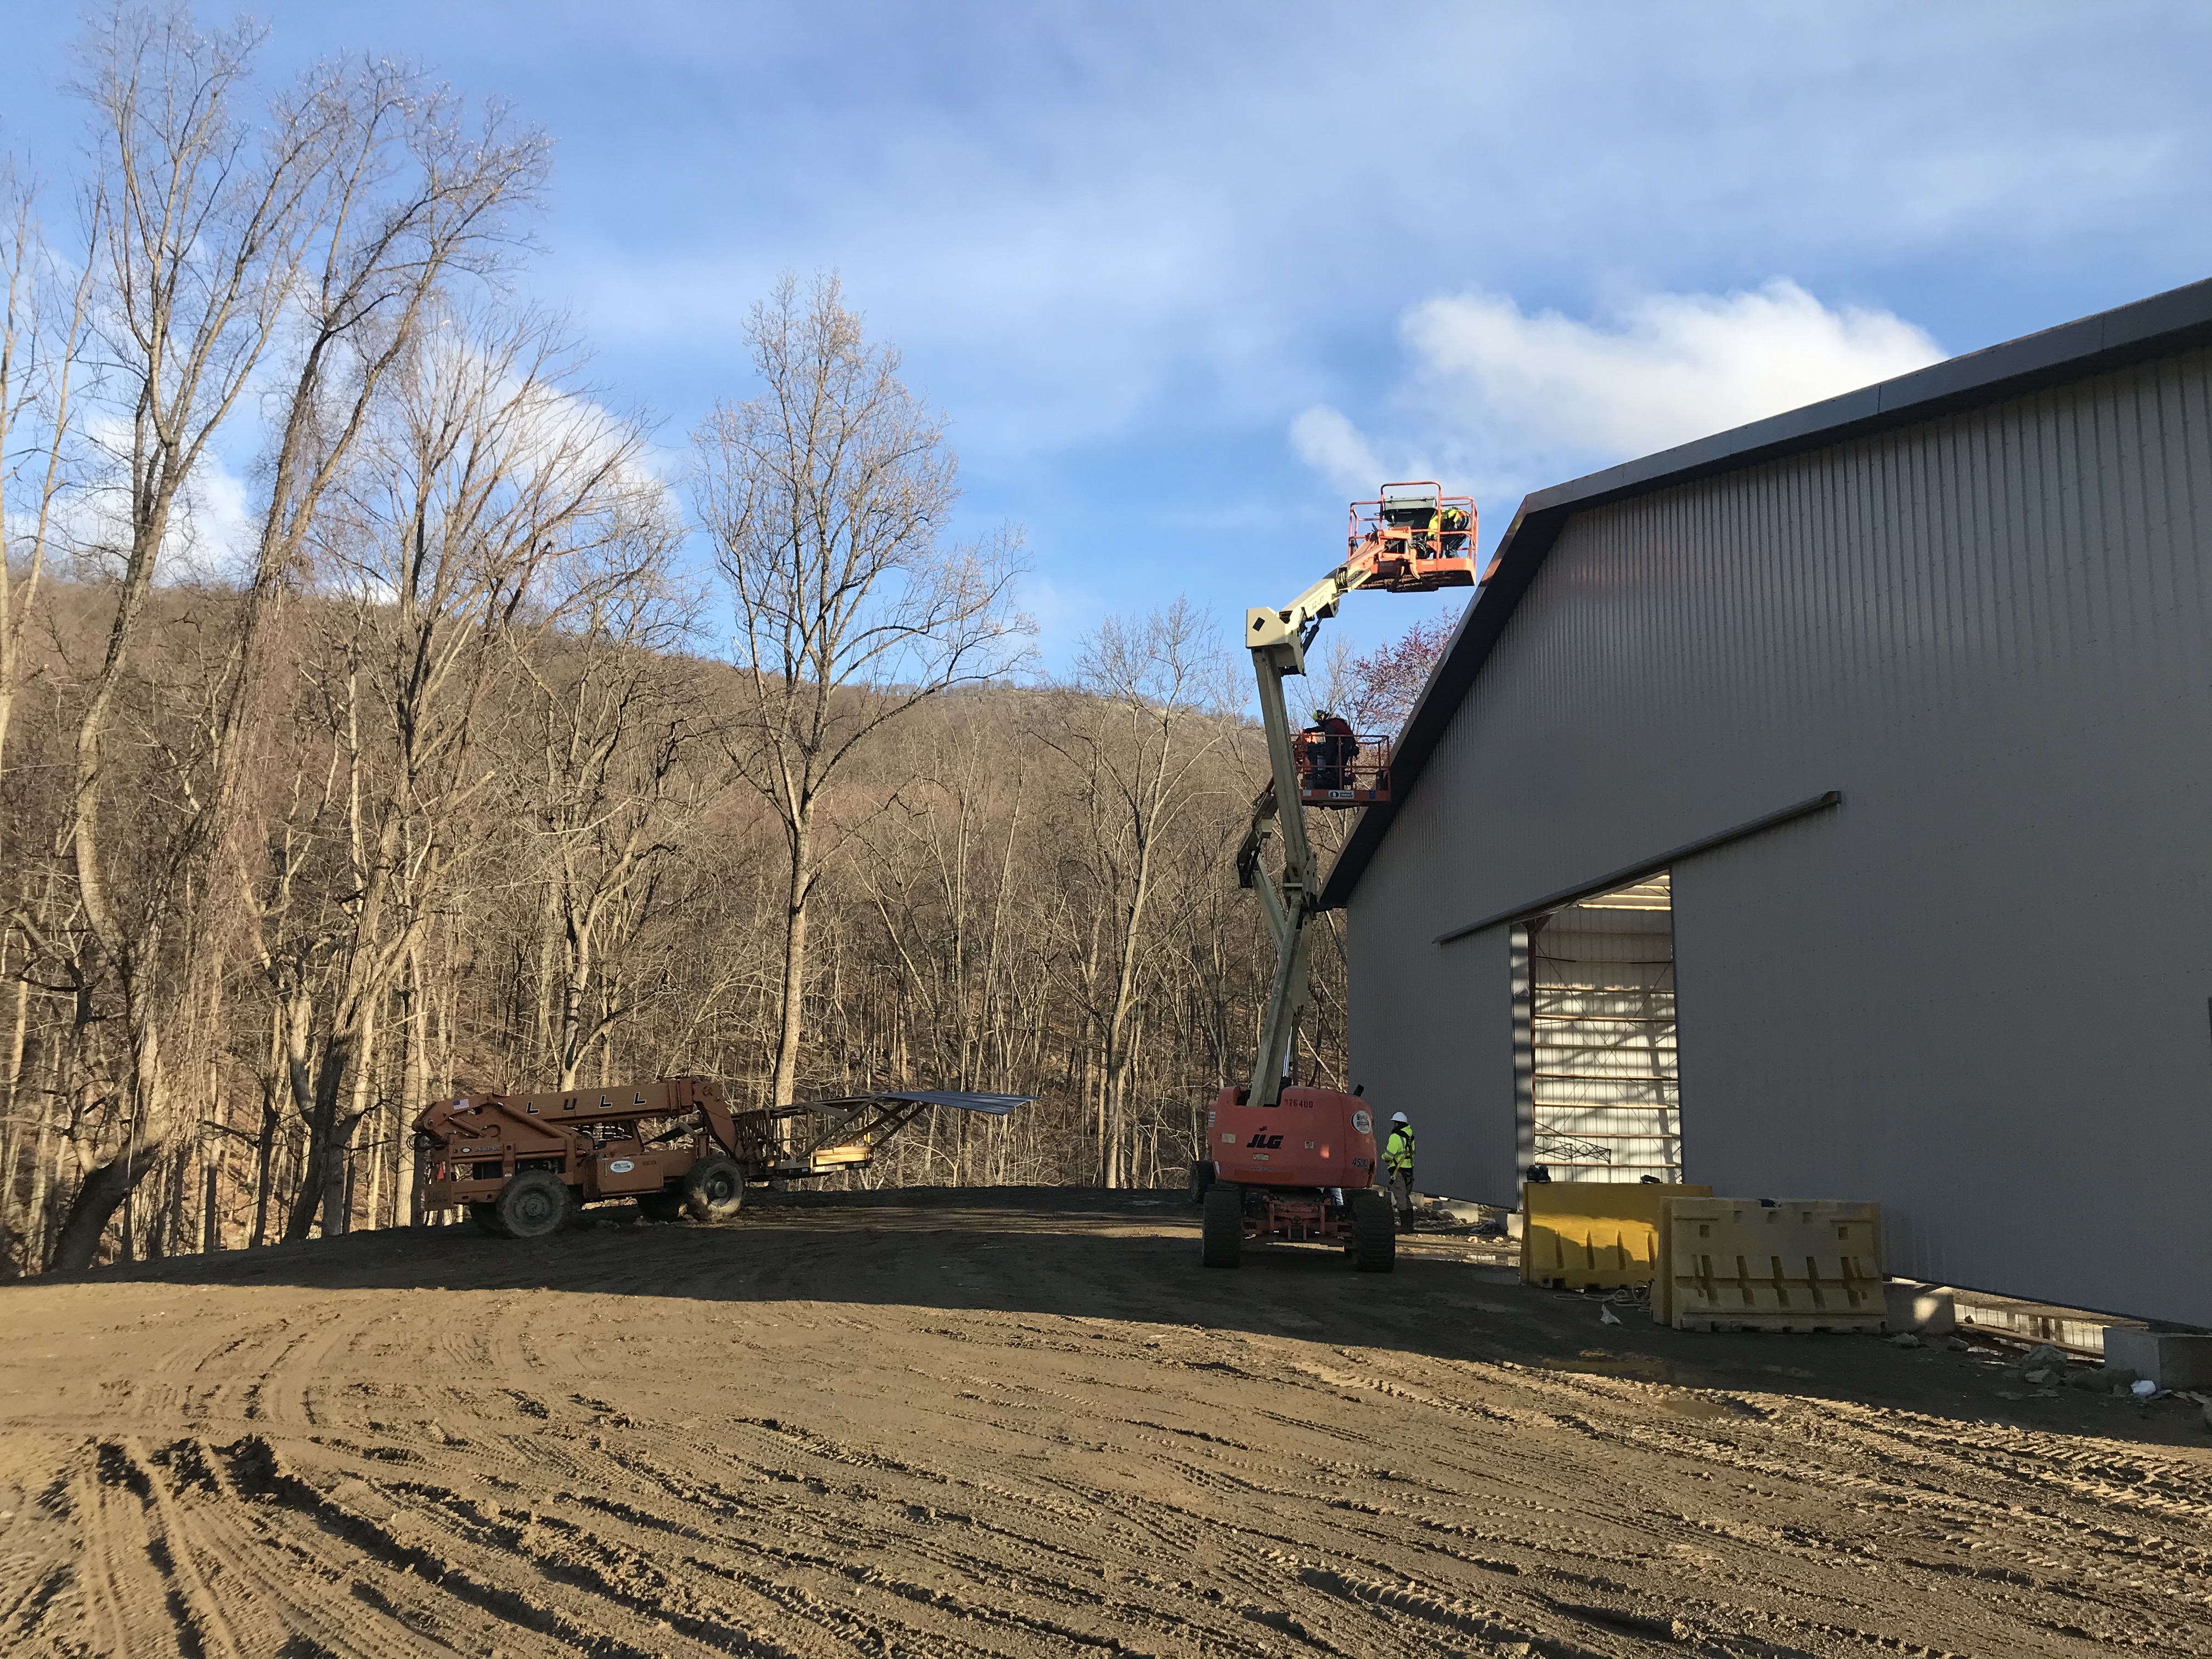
535 1203
1373 1242
661 1207
715 1190
1223 1228
486 1216
1202 1173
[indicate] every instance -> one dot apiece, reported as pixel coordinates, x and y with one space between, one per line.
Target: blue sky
1183 274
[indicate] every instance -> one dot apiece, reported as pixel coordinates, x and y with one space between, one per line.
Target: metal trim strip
1606 884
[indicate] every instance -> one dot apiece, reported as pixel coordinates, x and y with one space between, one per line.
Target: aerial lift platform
1286 1162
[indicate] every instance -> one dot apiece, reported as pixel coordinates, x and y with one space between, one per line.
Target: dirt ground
978 1424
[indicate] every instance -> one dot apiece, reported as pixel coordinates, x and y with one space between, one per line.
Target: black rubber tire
486 1216
661 1207
535 1203
1223 1230
1372 1242
715 1190
1203 1175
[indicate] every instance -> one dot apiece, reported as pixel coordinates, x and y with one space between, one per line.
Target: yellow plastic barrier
1601 1234
1798 1265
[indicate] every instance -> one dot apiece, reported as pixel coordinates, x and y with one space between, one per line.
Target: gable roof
2165 323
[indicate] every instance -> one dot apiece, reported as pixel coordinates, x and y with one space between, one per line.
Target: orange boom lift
1289 1163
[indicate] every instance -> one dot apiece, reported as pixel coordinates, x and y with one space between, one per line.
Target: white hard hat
1397 1117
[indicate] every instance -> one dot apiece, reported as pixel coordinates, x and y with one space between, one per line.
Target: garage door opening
1598 1091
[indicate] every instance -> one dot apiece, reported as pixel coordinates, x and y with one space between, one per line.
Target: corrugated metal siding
1437 1033
1976 992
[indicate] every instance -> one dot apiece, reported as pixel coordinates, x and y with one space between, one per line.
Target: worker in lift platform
1333 746
1398 1166
1451 525
1444 532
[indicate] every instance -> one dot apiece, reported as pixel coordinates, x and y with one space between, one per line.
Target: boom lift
1300 1163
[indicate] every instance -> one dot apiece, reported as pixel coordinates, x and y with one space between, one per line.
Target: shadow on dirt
1126 1258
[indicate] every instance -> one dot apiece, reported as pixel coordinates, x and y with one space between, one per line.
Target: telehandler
1285 1161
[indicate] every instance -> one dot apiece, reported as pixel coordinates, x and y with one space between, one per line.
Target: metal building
1824 809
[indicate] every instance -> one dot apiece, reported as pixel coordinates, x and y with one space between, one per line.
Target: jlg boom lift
1286 1161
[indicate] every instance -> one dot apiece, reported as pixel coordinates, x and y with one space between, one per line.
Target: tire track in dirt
962 1429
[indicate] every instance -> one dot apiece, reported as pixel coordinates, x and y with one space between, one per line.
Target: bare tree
618 714
431 797
1152 708
196 223
42 332
828 497
481 505
43 327
408 197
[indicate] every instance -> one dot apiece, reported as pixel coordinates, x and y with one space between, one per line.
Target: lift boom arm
1278 639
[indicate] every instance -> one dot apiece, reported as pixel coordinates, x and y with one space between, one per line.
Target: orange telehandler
1285 1161
524 1164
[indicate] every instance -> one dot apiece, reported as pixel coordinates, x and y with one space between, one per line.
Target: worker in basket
1398 1166
1441 530
1331 746
1451 525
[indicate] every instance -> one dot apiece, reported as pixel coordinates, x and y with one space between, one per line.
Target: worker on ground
1332 744
1398 1166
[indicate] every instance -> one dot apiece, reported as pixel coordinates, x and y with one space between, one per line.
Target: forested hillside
500 742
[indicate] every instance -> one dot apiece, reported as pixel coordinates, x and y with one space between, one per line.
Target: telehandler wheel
486 1216
1373 1243
535 1203
715 1190
661 1207
1202 1173
1223 1230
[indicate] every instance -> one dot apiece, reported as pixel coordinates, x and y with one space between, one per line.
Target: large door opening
1598 1094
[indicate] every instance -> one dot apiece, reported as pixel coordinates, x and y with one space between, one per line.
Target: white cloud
214 523
220 526
1673 366
1326 440
1509 402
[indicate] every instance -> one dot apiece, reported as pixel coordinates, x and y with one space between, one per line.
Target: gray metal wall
1433 1035
1978 991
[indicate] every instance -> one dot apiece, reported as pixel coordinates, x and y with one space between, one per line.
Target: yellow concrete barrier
1797 1265
1601 1234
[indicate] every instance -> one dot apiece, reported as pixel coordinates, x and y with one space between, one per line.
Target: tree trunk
372 1210
358 1058
413 1074
38 1244
264 1146
795 956
98 1196
210 1202
12 1141
107 1186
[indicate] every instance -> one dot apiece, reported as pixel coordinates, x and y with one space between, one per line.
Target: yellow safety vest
1398 1151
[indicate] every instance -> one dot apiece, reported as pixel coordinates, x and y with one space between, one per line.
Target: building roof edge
2163 323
